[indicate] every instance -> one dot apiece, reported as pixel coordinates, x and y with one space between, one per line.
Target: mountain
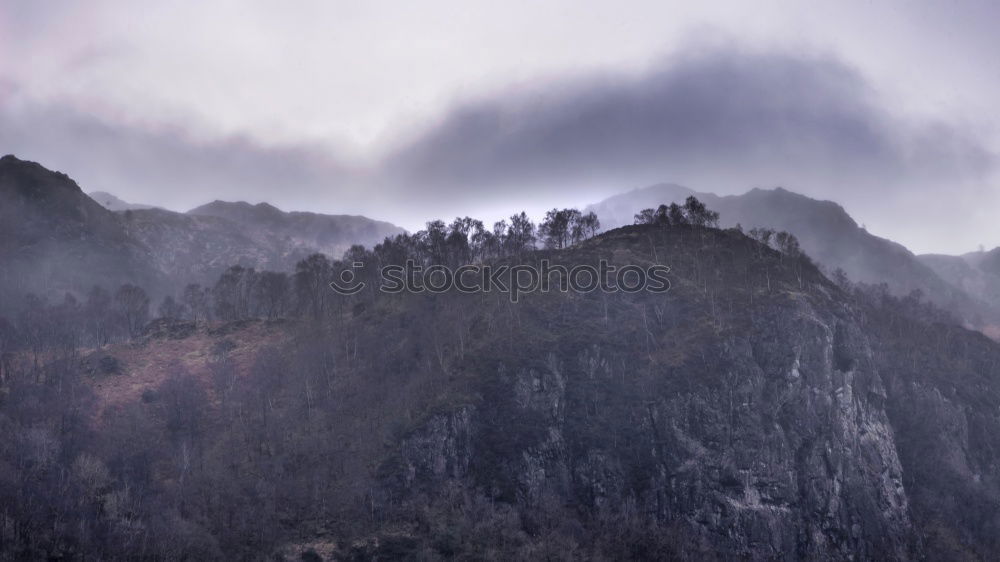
197 249
329 234
976 273
619 210
53 238
112 203
755 411
826 232
199 245
727 418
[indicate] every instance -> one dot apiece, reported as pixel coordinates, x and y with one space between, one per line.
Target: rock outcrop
771 431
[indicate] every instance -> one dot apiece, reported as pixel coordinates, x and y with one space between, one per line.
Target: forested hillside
755 410
833 239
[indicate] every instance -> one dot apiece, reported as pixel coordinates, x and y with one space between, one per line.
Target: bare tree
788 244
645 216
196 300
699 215
556 229
499 238
312 291
676 216
170 308
233 293
590 224
272 292
99 316
132 304
520 234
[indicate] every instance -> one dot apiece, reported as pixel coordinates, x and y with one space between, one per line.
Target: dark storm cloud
167 166
717 119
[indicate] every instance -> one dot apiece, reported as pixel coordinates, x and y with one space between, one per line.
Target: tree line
243 292
692 213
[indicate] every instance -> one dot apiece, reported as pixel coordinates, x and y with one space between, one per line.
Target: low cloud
169 166
719 120
723 119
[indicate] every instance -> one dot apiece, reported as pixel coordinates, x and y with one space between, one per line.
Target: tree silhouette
132 303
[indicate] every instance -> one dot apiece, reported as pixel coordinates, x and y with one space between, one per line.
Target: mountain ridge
827 233
324 231
755 410
54 238
112 202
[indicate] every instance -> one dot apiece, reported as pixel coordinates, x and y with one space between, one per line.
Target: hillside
55 239
198 248
976 273
113 203
754 411
329 234
828 234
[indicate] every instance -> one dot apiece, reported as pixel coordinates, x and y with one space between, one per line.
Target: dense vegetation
351 432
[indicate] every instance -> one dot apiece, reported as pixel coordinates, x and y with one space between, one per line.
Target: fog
405 115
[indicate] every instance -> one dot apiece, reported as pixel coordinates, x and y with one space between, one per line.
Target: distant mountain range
831 237
330 234
54 238
113 203
976 273
756 411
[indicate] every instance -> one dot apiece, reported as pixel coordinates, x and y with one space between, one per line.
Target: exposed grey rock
771 443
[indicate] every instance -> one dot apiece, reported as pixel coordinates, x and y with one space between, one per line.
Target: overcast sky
407 111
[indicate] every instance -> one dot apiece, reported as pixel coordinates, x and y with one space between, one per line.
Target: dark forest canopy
286 420
101 317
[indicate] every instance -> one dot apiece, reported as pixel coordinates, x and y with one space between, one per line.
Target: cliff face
782 450
725 420
943 399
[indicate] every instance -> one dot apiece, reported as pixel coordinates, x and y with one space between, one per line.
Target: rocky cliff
756 412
